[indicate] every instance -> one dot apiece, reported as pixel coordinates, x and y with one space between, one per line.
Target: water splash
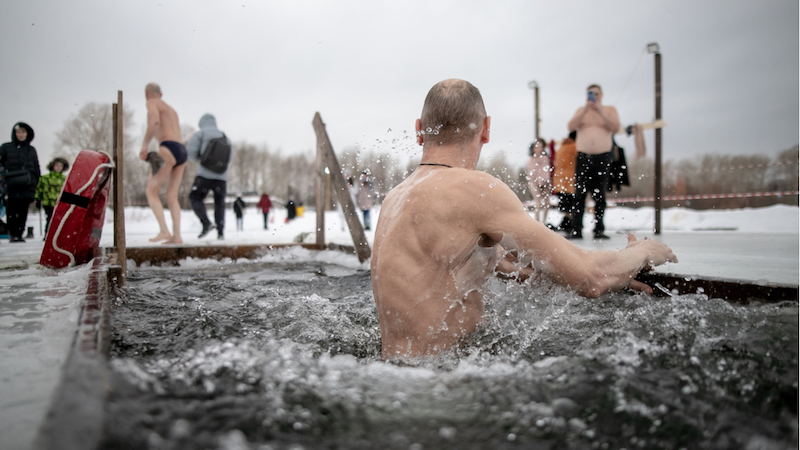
282 353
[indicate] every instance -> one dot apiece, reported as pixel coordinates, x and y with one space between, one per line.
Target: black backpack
217 155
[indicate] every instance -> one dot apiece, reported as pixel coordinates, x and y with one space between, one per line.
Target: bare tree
91 128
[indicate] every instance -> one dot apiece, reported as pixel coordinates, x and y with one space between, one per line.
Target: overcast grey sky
263 68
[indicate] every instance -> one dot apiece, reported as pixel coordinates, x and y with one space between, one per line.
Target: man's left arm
610 118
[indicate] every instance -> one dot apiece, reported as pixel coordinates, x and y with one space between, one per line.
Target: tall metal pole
538 120
657 187
535 86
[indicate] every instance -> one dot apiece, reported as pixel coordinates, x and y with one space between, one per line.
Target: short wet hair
153 88
453 112
595 86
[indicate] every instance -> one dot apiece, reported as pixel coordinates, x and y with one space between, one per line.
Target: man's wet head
152 90
453 113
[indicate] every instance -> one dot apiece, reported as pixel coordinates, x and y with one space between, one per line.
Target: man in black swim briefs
178 151
163 125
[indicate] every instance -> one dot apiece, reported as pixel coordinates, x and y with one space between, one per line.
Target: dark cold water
285 354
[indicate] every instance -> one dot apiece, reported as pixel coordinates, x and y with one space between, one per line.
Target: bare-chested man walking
162 124
444 230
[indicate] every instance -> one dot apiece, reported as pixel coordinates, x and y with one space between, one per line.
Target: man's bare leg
173 185
154 183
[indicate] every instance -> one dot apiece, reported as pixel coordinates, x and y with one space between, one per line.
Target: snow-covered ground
759 245
140 224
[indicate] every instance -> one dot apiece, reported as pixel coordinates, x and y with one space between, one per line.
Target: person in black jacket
238 209
19 157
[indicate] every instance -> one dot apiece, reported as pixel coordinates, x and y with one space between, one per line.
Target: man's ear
487 122
418 128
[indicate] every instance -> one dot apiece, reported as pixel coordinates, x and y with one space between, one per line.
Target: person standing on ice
365 198
539 175
564 181
238 210
265 204
207 180
162 124
22 174
447 228
595 124
49 188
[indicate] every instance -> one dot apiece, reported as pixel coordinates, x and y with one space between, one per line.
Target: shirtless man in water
448 227
162 124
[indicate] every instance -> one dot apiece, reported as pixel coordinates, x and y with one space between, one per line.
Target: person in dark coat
291 210
238 209
19 156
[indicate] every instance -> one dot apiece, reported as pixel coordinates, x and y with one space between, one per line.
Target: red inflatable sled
77 223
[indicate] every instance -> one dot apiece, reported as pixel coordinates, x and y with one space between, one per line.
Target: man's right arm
591 273
153 121
193 147
576 119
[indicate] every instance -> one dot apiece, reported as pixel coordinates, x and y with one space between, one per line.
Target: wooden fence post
119 201
327 158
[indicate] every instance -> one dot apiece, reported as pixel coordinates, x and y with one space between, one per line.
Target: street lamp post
535 86
653 49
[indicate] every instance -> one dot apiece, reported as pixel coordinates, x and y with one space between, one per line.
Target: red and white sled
77 223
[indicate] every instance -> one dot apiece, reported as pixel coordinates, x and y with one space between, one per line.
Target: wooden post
321 164
119 202
328 159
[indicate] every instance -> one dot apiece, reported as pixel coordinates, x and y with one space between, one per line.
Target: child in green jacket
49 187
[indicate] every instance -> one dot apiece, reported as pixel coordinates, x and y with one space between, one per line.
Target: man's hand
143 153
657 253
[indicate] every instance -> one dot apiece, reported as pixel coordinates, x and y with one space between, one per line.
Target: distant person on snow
265 204
21 177
291 210
539 174
564 182
207 180
163 124
49 188
238 209
448 227
365 198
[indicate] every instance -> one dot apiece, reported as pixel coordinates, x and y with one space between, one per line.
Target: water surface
284 353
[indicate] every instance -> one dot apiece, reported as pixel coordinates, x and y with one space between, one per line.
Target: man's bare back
430 261
448 227
164 122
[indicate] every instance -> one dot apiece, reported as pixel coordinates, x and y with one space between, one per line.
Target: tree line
257 168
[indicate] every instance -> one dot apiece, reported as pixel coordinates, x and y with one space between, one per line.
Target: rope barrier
702 196
723 169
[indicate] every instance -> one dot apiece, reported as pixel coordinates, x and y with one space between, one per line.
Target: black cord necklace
435 164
